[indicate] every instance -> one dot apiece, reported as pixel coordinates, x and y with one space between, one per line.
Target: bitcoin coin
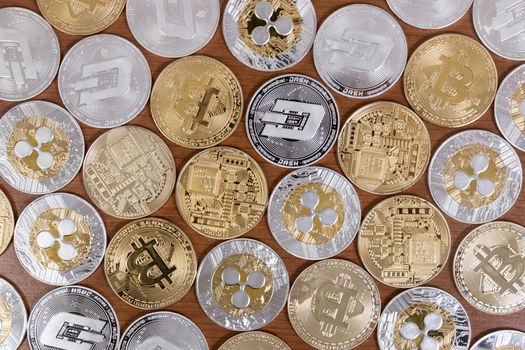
173 29
73 318
41 147
222 193
196 102
314 213
163 330
242 284
13 317
7 222
292 121
104 81
81 17
501 340
384 148
430 14
475 176
269 35
129 172
150 263
360 51
451 80
254 340
334 305
424 318
29 54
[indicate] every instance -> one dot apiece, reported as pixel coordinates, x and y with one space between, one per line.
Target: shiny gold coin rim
262 339
4 201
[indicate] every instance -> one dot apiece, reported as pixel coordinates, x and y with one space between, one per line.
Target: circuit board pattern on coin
7 222
13 317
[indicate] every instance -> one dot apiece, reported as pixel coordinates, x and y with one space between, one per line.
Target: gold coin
384 148
489 267
150 263
255 341
404 241
222 193
451 80
197 102
129 172
81 17
334 305
7 222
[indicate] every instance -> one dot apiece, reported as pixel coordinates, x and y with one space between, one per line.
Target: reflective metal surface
430 14
13 317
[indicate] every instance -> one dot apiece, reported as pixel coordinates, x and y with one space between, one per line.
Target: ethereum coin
430 14
254 340
501 340
13 317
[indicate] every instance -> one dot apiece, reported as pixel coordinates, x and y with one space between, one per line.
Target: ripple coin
13 317
501 340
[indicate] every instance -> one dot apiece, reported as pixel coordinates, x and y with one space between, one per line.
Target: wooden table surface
250 80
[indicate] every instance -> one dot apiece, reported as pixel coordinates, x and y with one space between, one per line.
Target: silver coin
430 14
475 176
228 270
173 28
163 330
499 25
41 147
418 315
500 340
60 239
29 54
13 317
360 51
73 318
314 213
104 81
268 38
292 121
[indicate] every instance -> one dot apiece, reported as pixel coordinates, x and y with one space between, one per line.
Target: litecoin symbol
453 81
509 19
70 331
183 25
195 104
16 61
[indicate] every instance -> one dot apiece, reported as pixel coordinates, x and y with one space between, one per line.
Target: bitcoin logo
70 331
6 320
79 7
453 81
16 61
183 26
283 26
195 104
432 323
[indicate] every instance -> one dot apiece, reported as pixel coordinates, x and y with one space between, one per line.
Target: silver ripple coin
29 54
13 317
163 330
104 81
430 14
501 340
269 35
475 176
242 284
73 318
292 121
499 25
60 239
314 213
173 28
424 316
360 51
41 147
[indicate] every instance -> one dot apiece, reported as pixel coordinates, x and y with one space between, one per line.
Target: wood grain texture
250 80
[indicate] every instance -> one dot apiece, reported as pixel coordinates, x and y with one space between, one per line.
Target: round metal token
13 317
501 340
254 340
430 14
7 219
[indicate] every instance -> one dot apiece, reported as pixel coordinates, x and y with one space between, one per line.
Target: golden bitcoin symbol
78 7
453 81
196 96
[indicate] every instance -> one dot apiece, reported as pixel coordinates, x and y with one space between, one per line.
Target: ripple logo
305 224
433 322
479 164
66 251
232 277
24 148
283 26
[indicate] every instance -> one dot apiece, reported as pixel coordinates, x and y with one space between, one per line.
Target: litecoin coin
292 121
60 239
334 305
254 340
29 54
360 51
475 176
104 81
222 193
269 35
13 317
424 318
489 268
384 148
314 213
501 340
150 263
163 330
7 219
242 284
197 102
129 172
41 147
73 318
173 29
430 14
404 241
451 80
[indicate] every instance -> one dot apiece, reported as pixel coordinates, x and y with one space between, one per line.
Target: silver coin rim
500 337
19 315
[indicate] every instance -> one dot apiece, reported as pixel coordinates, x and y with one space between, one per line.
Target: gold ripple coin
334 305
7 222
404 241
197 102
81 17
222 193
150 263
489 268
255 341
451 80
129 172
384 148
